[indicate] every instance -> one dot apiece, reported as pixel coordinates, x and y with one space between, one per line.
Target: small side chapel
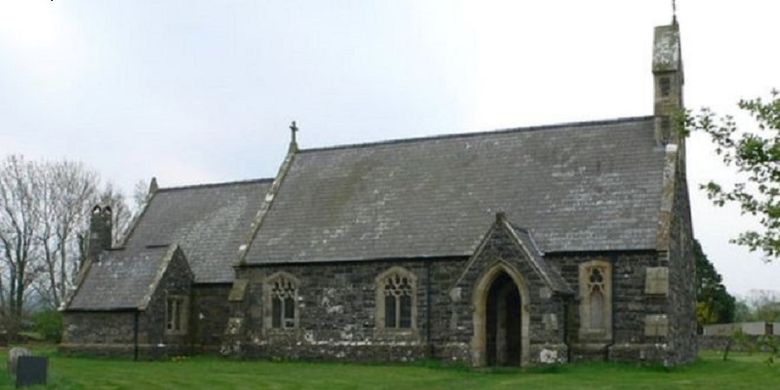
527 246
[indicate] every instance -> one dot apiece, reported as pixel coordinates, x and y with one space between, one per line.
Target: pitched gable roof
577 187
549 274
210 222
122 279
523 249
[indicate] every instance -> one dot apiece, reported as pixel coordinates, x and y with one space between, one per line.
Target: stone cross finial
294 129
293 143
153 186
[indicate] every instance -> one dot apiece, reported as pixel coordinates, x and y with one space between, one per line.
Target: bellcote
669 79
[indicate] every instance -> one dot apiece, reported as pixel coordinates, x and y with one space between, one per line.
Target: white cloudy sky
201 91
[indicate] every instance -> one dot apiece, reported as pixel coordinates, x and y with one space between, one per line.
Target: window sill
595 335
409 334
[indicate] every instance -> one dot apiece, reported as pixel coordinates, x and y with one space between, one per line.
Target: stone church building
525 246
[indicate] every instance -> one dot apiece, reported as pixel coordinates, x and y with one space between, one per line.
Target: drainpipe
566 319
428 308
135 336
608 349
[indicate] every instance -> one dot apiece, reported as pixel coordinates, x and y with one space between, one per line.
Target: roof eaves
80 278
116 309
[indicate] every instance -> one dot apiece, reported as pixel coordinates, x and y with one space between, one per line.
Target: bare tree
75 191
44 226
20 220
68 192
141 194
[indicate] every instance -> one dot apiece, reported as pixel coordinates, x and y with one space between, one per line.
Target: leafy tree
756 155
743 312
759 305
714 304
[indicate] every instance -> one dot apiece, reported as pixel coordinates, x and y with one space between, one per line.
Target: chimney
99 232
669 80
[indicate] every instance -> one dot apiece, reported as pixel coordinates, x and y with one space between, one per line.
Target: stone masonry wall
97 327
210 310
682 276
177 280
630 306
111 333
107 334
720 343
337 308
546 337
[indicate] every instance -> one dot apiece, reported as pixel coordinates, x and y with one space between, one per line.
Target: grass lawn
710 372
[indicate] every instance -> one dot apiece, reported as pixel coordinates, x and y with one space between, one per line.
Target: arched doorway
503 329
501 318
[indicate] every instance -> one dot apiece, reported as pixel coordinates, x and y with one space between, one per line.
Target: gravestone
31 370
13 356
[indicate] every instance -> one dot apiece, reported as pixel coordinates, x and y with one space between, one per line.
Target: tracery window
396 302
595 300
282 292
596 307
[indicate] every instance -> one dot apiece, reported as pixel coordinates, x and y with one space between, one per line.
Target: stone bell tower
668 78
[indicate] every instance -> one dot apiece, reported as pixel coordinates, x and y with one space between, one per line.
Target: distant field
741 371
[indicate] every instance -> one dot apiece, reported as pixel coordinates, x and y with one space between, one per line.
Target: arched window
281 295
597 310
396 299
596 291
595 300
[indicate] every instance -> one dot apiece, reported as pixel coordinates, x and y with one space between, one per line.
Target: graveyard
741 370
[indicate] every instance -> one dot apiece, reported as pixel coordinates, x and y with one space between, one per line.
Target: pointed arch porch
480 302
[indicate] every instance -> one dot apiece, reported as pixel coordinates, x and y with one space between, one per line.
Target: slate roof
576 187
120 280
550 274
209 222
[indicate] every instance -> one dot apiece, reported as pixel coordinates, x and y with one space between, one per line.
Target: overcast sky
202 91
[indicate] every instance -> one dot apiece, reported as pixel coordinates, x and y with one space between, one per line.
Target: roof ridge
210 185
481 133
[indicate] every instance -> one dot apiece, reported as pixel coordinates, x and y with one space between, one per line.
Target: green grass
203 372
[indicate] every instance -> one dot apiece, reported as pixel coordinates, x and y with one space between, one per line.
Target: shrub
49 325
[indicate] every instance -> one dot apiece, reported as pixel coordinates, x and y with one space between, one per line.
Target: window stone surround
381 330
588 289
